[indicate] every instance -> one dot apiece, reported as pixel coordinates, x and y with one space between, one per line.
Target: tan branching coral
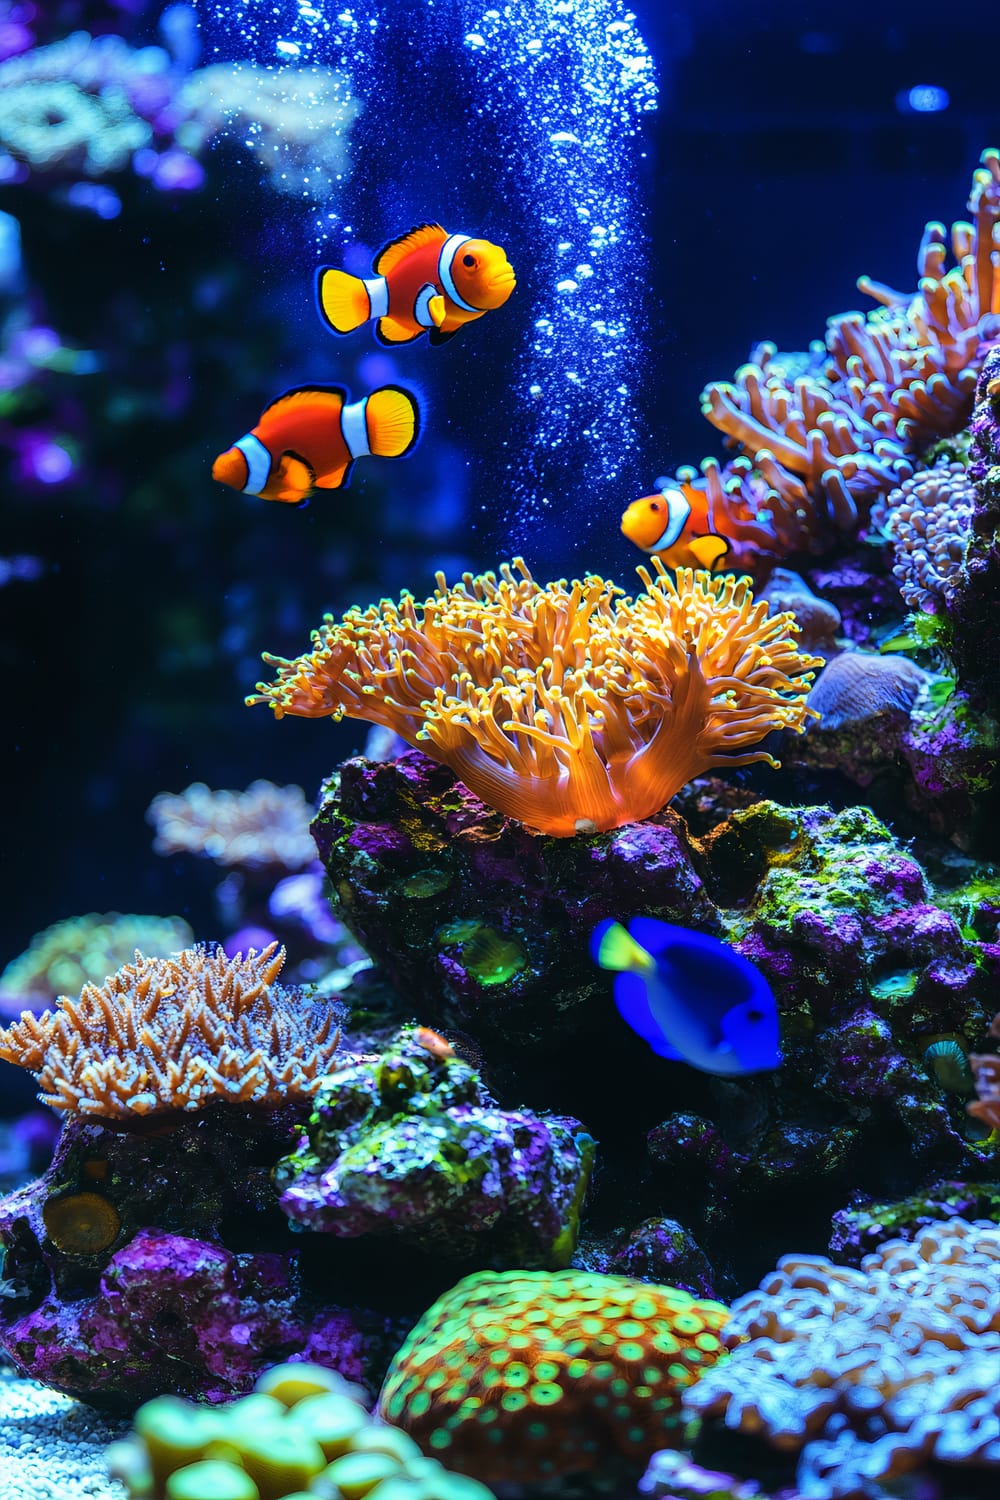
266 825
570 707
168 1034
822 435
986 1071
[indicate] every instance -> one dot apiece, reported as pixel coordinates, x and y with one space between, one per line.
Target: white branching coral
265 826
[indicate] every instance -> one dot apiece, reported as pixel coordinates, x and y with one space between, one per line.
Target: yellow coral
570 707
167 1034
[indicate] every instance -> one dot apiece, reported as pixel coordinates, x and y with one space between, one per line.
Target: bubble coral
868 1374
570 707
303 1426
168 1034
522 1376
928 518
265 826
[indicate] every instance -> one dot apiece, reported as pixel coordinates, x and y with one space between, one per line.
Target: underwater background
156 298
597 1073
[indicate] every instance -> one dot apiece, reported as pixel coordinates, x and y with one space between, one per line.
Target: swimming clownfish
427 280
309 438
693 998
677 525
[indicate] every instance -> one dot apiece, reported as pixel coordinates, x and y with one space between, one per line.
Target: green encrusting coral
525 1376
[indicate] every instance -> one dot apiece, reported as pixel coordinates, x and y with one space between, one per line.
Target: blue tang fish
692 998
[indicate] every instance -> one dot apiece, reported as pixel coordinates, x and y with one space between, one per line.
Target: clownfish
678 525
308 439
691 997
427 280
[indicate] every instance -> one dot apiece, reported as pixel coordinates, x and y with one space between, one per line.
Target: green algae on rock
412 1146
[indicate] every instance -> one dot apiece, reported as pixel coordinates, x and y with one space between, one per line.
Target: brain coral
928 519
570 707
525 1375
869 1374
166 1034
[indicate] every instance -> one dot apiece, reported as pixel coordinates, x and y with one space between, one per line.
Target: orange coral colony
169 1034
570 707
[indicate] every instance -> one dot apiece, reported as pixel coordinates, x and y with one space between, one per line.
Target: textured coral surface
520 1376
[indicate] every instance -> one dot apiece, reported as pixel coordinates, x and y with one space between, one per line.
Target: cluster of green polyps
302 1435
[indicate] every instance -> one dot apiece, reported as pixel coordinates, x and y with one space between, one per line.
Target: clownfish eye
468 260
654 504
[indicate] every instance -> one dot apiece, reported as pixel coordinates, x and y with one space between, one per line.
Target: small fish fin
632 1001
336 479
304 395
398 249
709 549
392 331
342 299
295 479
437 310
393 419
656 936
613 948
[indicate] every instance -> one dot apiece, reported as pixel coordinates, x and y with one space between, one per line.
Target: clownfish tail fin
343 300
393 418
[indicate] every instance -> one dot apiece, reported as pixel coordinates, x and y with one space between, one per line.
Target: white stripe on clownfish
446 259
354 426
420 307
378 296
258 463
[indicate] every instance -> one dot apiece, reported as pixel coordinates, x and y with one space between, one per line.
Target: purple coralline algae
411 1145
142 1263
480 922
863 1228
868 967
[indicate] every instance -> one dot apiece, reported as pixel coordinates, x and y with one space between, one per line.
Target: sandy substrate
51 1447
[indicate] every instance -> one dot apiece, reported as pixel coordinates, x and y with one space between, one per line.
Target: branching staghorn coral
822 435
572 707
265 826
169 1034
869 1374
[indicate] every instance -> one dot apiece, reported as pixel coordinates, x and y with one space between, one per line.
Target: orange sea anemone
572 707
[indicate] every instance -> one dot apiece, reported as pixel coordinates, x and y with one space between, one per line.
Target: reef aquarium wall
572 1067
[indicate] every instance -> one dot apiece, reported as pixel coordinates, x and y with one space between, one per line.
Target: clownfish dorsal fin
396 250
305 395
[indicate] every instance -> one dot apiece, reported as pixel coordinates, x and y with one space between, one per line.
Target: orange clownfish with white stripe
309 438
677 525
426 281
